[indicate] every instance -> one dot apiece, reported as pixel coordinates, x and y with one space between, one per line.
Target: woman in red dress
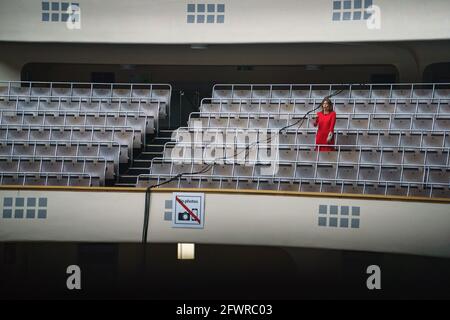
325 121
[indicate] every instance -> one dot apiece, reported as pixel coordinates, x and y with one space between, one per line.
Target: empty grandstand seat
347 172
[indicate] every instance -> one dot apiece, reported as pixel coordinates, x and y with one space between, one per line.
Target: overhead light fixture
127 66
313 67
199 46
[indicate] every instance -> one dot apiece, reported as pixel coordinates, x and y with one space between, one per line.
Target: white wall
249 21
386 224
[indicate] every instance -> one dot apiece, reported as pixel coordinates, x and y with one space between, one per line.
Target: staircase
142 161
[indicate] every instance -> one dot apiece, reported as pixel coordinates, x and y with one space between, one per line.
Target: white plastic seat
422 94
40 91
46 150
371 157
160 167
260 94
442 124
285 171
326 171
349 157
410 140
366 107
400 123
161 95
222 94
58 91
287 155
353 188
66 151
384 107
389 140
391 157
222 170
20 91
442 94
241 94
345 139
141 93
368 173
343 108
121 93
436 158
380 93
23 150
5 149
397 190
347 172
439 176
432 140
309 187
422 123
401 95
419 191
280 96
360 95
29 165
289 186
328 157
390 174
110 106
414 158
306 156
319 94
341 123
243 170
358 123
51 166
300 95
379 123
302 108
331 187
8 165
236 123
304 171
256 123
286 139
411 174
305 138
100 169
101 93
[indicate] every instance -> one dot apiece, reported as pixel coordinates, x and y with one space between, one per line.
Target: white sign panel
188 210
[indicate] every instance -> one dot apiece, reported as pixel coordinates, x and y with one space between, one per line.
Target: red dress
326 124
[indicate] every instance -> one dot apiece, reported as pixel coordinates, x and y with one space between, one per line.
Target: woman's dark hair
329 103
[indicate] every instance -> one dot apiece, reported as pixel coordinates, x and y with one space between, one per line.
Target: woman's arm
316 119
331 128
332 122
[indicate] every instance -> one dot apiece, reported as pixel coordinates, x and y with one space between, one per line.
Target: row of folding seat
188 152
359 121
291 92
48 178
152 109
49 118
303 185
155 92
95 166
374 172
122 135
306 136
108 150
300 108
